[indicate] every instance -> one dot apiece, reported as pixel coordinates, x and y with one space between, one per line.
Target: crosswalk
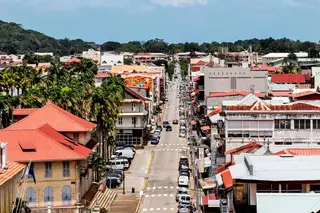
159 209
159 150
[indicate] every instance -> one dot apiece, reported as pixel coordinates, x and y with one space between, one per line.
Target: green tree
127 61
110 46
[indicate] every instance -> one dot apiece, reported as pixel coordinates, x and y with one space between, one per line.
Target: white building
133 120
291 125
44 54
111 58
277 56
92 54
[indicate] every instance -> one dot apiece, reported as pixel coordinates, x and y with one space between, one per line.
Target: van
118 164
183 181
124 153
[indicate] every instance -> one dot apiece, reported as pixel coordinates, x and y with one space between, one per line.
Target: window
66 195
134 120
282 143
30 176
48 196
76 136
316 124
133 106
233 83
48 170
31 196
282 124
268 187
291 188
302 124
66 169
315 188
120 120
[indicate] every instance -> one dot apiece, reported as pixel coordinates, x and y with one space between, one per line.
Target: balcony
132 126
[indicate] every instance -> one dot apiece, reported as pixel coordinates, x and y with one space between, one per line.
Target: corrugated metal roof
299 151
296 106
288 78
13 170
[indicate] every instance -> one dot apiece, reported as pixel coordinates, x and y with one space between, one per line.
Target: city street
159 195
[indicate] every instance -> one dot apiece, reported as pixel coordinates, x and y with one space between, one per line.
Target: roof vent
286 156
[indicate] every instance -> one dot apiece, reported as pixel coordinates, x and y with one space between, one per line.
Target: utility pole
124 186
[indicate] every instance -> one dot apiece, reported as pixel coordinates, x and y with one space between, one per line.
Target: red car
175 122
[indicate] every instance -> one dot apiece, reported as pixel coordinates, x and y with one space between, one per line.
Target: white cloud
178 3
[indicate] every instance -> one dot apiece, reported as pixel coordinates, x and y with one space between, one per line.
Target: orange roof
299 151
223 167
265 67
288 78
59 119
41 144
296 106
233 93
306 93
26 111
13 169
214 112
280 94
76 60
102 75
249 146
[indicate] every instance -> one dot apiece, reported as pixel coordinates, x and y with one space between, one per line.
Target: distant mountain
14 39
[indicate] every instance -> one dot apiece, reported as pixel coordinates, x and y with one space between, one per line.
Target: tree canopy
14 39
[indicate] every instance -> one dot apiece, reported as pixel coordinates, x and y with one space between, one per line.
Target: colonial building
291 125
133 119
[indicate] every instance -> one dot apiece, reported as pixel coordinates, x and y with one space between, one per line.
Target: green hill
15 39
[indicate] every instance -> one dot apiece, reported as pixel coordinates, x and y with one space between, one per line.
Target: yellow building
9 179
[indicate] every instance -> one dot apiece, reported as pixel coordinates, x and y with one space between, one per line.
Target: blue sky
171 20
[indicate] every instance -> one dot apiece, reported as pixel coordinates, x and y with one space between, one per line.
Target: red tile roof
13 170
76 60
102 75
288 78
234 93
280 94
135 94
249 146
59 119
296 106
214 112
47 145
299 151
223 167
27 111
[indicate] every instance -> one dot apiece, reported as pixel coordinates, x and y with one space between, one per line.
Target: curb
139 204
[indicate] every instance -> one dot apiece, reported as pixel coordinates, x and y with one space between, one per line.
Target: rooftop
13 169
59 119
234 93
284 55
288 78
288 202
277 168
299 151
41 144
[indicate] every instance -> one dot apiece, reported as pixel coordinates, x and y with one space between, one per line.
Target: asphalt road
159 195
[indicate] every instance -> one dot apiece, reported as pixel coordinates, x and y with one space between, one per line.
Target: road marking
147 195
158 209
159 195
145 210
170 209
148 188
171 187
154 187
166 187
160 187
177 187
151 209
153 195
165 208
171 195
165 195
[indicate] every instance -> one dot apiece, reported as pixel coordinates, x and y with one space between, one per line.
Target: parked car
159 128
169 128
184 210
155 140
183 181
185 200
114 174
165 124
127 153
113 182
181 191
120 164
175 122
182 134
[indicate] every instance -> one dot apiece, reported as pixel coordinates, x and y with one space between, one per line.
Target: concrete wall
8 193
220 80
111 59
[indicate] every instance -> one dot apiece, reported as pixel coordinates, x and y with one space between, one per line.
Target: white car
182 134
183 181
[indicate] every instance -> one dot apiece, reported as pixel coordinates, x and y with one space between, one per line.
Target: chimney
3 155
248 164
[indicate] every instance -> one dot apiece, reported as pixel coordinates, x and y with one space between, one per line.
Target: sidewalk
137 172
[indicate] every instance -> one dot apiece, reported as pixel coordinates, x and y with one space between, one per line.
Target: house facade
291 125
92 54
133 119
111 58
229 79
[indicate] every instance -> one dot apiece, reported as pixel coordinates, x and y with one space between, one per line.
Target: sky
172 20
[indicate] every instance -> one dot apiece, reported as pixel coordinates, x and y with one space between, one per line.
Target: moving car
169 128
165 124
175 122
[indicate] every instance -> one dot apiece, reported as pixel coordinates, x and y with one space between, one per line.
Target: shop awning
205 128
213 200
193 122
196 79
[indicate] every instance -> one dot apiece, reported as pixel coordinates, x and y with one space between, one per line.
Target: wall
111 59
8 193
262 126
217 101
57 181
316 74
220 80
82 136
